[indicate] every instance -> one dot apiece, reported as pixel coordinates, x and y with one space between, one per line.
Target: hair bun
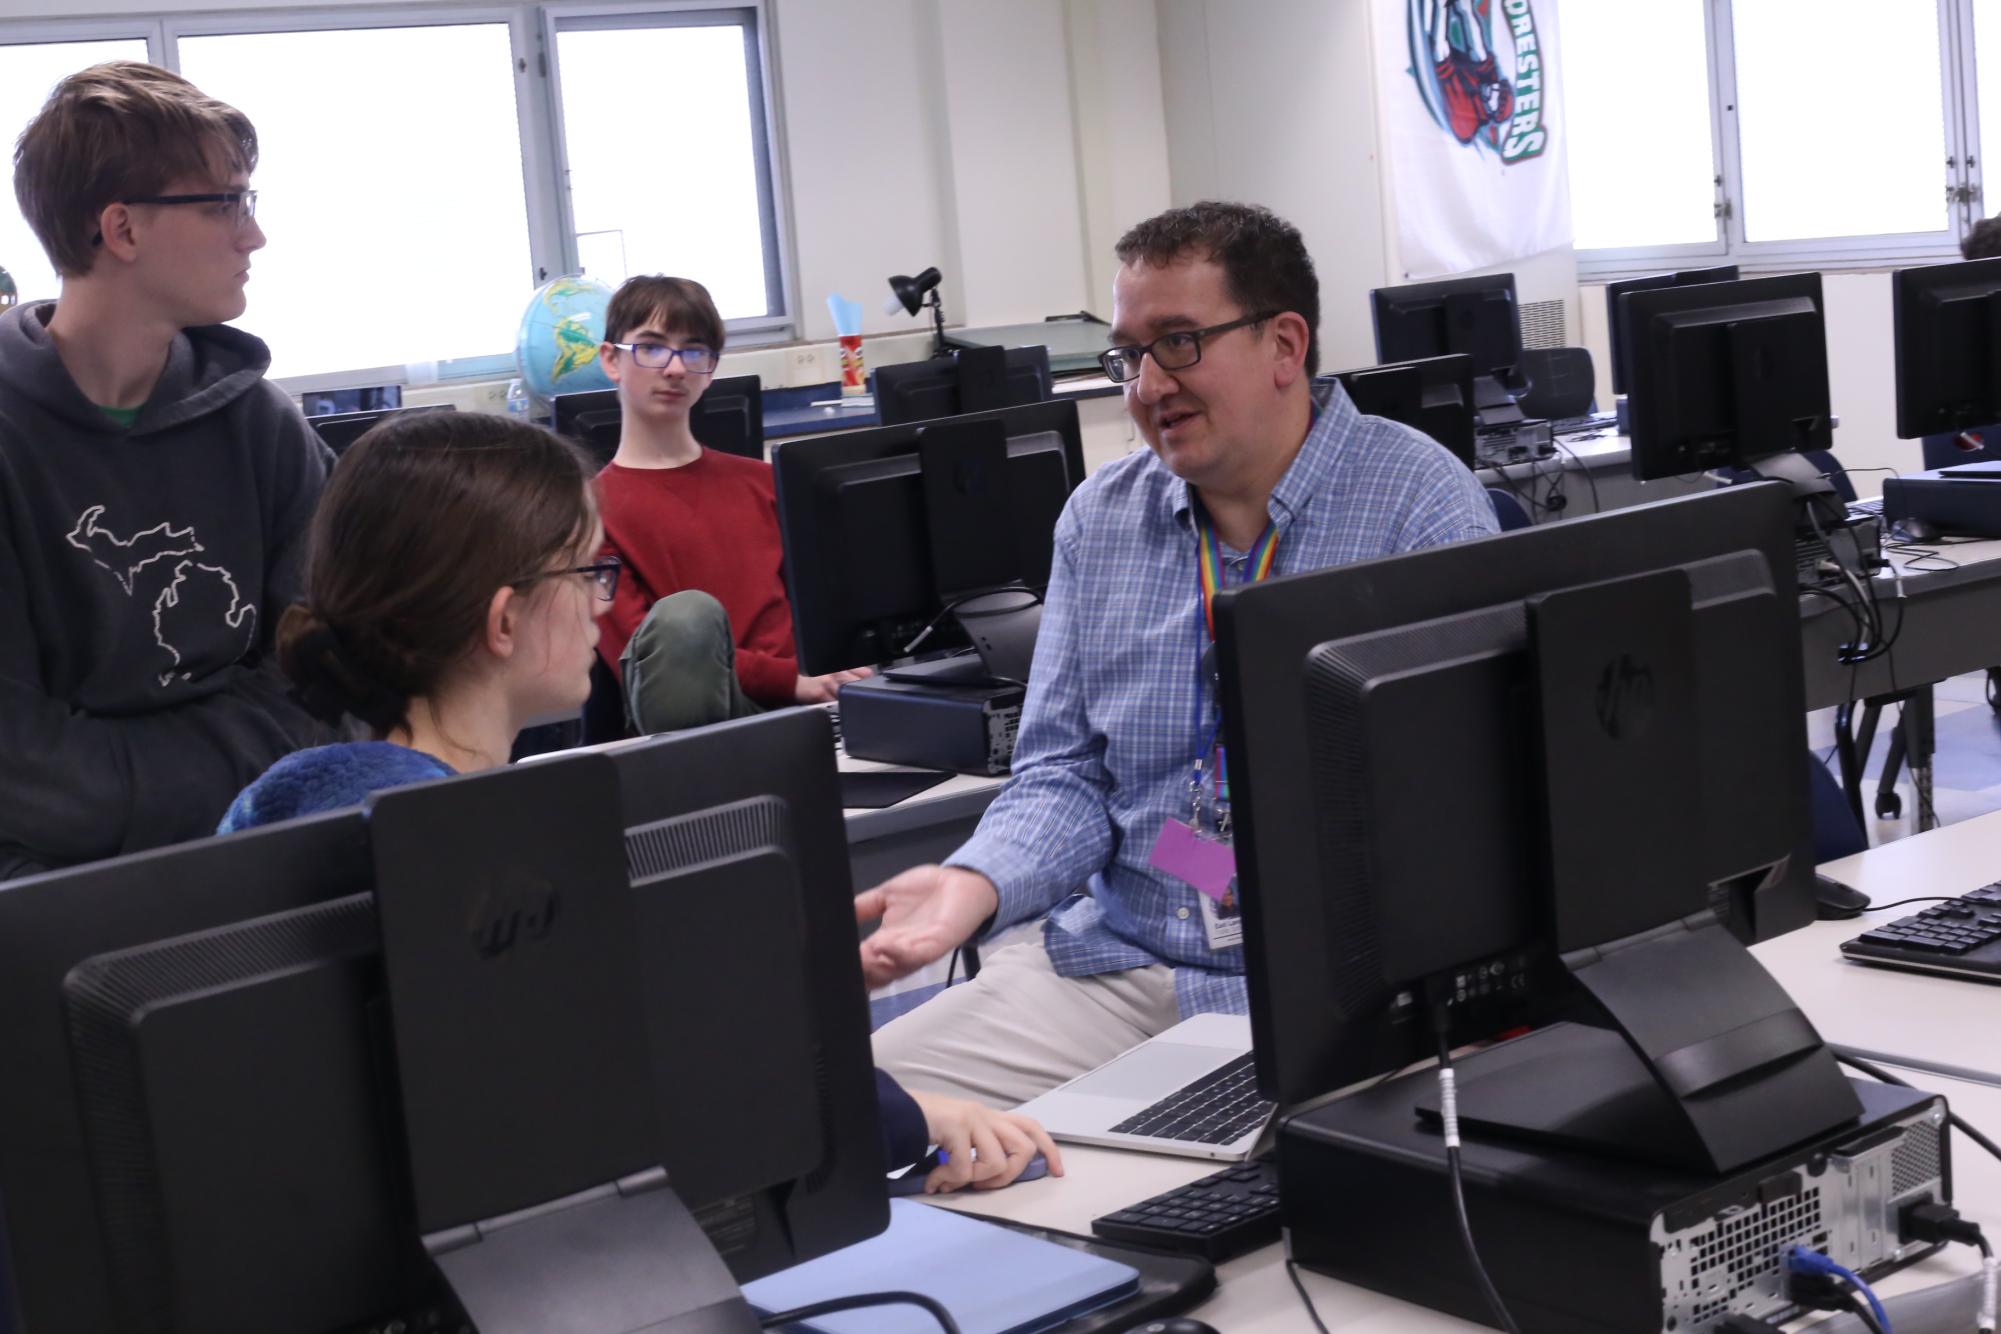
329 682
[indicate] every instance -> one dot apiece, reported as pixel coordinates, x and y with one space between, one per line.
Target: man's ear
503 622
115 224
1290 340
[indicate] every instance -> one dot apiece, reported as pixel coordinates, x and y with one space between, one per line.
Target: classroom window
390 185
1834 134
1643 178
664 146
28 71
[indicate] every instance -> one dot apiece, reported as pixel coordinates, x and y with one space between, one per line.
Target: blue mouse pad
993 1280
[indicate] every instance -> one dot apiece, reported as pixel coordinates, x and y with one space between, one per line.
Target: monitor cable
1882 1076
1448 1109
862 1301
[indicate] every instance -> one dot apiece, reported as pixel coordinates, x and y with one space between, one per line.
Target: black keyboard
1962 935
1219 1217
1602 421
1221 1106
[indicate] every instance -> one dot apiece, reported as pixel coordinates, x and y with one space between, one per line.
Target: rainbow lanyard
1209 570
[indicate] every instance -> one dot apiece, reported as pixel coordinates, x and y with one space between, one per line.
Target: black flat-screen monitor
1368 702
341 429
1948 347
728 417
873 553
1434 395
1473 316
974 379
1726 374
203 1122
1615 316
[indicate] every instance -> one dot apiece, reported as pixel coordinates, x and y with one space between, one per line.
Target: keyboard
1222 1106
1219 1217
1599 421
1961 935
1871 508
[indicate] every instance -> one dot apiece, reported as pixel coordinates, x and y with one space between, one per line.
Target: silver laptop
1191 1090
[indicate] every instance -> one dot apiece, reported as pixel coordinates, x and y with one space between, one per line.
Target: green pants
679 668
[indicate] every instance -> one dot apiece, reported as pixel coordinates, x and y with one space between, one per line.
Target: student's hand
927 912
826 689
985 1149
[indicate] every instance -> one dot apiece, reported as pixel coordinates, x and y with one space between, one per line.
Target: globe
557 347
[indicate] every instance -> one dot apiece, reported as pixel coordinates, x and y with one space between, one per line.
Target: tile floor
1966 770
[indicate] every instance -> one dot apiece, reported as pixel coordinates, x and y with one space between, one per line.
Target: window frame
612 15
545 195
1960 116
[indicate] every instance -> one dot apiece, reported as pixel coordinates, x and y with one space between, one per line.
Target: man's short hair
114 132
1984 241
679 305
1264 261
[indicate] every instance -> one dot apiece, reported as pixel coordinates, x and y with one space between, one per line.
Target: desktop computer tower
1587 1244
967 727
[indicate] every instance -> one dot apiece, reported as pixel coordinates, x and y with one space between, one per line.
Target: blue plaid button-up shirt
1108 732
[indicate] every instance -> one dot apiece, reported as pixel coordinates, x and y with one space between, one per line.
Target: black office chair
1836 830
1508 511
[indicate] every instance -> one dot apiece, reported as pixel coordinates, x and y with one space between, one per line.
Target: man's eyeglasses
1175 351
603 575
243 202
695 358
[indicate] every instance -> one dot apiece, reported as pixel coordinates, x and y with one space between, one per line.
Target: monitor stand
1002 626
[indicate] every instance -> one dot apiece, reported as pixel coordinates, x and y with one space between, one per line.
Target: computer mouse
912 1182
1836 902
1178 1324
1912 529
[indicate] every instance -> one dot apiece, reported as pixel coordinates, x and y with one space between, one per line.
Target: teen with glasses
453 593
700 631
154 488
1251 471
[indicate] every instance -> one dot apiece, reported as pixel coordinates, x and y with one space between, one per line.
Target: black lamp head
910 291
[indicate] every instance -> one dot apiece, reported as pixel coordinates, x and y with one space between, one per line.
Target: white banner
1473 131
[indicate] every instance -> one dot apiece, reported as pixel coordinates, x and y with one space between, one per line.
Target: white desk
1945 1024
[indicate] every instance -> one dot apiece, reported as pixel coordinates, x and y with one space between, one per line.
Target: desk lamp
912 295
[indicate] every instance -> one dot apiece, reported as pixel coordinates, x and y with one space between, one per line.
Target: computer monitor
1948 347
728 417
1615 316
1473 316
879 541
975 379
1434 395
215 1119
1607 717
1729 375
341 429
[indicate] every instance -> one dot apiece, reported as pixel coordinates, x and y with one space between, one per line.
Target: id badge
1223 919
1194 858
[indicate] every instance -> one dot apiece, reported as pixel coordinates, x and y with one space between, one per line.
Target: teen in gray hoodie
155 489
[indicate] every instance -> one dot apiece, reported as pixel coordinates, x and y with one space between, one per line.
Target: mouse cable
860 1301
1878 1073
1448 1107
1292 1272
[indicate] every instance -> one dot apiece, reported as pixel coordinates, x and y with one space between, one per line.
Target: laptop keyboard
1221 1106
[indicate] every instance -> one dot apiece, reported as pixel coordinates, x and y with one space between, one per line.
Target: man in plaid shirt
1252 470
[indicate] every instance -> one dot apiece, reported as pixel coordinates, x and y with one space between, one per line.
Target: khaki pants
679 668
1020 1029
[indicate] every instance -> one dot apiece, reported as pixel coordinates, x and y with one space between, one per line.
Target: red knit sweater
713 525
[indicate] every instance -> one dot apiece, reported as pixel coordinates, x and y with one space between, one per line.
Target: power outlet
804 365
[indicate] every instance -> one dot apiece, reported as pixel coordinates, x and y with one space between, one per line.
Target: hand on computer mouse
981 1147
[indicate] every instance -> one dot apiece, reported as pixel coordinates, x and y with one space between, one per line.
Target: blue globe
557 347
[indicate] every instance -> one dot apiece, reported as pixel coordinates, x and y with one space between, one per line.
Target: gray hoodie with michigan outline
142 574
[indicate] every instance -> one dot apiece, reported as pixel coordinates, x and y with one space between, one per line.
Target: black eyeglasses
695 358
603 575
245 201
1175 351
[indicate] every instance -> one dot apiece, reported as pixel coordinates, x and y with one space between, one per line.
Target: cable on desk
1807 1274
1589 480
1861 1311
862 1301
1292 1272
1878 1073
1448 1107
1922 898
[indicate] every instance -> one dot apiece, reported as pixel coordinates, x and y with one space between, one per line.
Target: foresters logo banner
1472 126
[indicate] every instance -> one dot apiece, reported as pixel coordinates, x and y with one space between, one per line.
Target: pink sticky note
1206 863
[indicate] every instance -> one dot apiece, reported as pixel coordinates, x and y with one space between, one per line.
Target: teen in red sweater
700 630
